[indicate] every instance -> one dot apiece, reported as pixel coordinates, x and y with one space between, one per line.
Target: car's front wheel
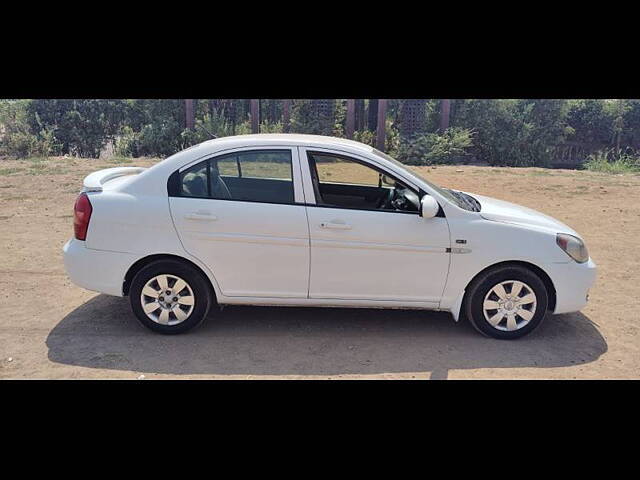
170 297
506 302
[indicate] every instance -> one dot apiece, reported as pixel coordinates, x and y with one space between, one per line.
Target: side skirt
319 302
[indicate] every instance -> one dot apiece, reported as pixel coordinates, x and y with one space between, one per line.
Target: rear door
242 213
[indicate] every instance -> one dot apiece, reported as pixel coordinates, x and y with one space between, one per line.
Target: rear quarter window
193 181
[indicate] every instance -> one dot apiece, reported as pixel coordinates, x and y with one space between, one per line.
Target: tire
506 321
175 313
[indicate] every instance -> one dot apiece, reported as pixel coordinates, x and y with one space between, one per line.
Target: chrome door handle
206 217
335 225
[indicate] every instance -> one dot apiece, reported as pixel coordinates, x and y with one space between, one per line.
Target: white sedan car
316 221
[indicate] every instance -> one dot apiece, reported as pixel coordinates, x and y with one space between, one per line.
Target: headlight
573 246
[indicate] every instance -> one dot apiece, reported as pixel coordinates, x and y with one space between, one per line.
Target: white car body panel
501 211
96 270
377 255
277 254
256 249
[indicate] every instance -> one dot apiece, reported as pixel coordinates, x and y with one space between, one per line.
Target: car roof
149 179
262 139
217 145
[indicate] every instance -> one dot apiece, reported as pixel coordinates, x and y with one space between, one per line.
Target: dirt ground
53 329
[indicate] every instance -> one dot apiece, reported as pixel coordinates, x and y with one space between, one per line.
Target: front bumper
572 282
96 270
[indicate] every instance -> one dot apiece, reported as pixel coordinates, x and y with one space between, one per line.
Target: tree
359 114
373 114
313 116
381 125
190 118
80 127
351 118
590 123
255 116
286 115
514 132
445 111
631 135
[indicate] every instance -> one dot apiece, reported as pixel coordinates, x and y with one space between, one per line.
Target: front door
238 213
366 243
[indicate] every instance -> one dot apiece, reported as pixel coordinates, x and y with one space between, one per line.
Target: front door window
343 182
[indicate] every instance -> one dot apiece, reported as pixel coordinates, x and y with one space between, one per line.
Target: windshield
457 198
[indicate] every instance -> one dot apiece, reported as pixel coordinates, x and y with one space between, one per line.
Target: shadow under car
240 340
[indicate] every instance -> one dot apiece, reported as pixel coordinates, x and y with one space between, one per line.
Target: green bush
505 132
208 127
271 127
613 161
631 134
127 144
514 132
244 128
340 119
392 138
79 127
589 122
160 138
450 147
16 138
24 145
305 118
366 137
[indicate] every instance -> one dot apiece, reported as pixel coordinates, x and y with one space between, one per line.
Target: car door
361 252
242 214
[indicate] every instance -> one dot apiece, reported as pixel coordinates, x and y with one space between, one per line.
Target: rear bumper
572 282
96 270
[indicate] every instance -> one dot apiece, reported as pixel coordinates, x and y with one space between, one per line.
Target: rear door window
254 176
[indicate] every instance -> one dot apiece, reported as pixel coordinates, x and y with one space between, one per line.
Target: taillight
81 216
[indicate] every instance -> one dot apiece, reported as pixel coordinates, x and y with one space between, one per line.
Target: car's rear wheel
170 297
506 302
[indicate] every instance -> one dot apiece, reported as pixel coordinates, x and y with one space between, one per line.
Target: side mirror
429 207
388 180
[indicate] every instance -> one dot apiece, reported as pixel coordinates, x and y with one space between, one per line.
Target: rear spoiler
95 181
